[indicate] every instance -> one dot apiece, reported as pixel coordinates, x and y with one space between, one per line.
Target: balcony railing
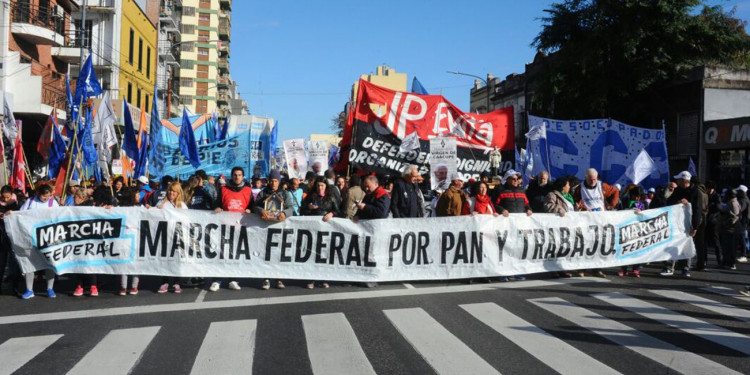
50 18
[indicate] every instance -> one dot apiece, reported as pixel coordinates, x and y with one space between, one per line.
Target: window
202 51
186 82
203 36
205 4
186 99
130 46
202 68
147 103
83 37
138 97
140 54
188 46
205 17
187 64
188 11
148 62
188 29
130 92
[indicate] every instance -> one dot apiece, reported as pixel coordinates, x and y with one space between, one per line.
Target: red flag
18 181
45 140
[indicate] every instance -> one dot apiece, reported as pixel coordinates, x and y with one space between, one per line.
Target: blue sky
295 61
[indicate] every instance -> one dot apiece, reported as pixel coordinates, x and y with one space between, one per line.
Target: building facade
384 76
204 56
137 70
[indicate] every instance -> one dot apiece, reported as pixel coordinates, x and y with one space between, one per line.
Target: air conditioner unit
59 11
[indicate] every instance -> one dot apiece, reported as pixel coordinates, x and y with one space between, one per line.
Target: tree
605 55
338 123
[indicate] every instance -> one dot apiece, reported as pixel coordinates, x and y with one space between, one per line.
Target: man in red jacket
234 196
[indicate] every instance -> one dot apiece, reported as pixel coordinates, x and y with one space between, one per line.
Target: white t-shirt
35 203
593 198
167 204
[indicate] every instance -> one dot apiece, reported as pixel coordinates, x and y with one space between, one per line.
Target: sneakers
163 288
78 292
133 291
581 274
666 272
94 291
504 279
620 273
51 293
637 274
732 268
28 294
746 291
310 285
266 284
177 288
325 285
600 274
214 286
686 273
742 259
280 284
233 285
520 278
123 291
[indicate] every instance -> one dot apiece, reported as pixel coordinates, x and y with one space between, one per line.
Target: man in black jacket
406 198
537 191
377 202
690 191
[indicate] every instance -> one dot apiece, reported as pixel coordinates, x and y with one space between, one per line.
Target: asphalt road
582 325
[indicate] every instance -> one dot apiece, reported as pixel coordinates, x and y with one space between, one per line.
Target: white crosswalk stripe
228 348
662 352
565 359
717 307
682 322
15 352
724 291
333 347
440 348
117 353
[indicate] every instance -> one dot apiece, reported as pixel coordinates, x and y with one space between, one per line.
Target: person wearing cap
144 191
689 191
511 198
73 187
160 191
453 201
274 191
595 195
729 227
234 196
744 201
649 197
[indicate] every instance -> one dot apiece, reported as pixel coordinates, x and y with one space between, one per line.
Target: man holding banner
695 195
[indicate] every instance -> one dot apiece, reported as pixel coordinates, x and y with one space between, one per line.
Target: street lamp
486 84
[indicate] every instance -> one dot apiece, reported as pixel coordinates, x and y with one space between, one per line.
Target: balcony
100 6
39 25
225 4
167 54
224 30
223 65
222 99
222 82
169 19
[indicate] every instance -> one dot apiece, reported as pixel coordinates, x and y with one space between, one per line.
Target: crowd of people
720 219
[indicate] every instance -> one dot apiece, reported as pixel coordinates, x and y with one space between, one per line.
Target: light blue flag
691 167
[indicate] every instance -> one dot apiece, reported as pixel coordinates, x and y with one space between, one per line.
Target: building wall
199 67
384 76
138 74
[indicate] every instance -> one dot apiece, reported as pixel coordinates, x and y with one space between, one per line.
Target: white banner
206 244
318 151
443 162
296 158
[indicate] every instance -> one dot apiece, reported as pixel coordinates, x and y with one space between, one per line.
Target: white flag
537 132
410 142
103 128
9 121
641 167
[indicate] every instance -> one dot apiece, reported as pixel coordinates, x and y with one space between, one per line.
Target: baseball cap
652 190
143 180
685 175
742 187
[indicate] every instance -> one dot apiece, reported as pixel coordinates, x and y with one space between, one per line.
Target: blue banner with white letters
609 146
246 145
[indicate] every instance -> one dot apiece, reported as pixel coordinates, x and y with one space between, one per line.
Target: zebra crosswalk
334 345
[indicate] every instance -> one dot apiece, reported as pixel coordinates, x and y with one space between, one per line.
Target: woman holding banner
175 199
556 203
322 201
42 200
481 203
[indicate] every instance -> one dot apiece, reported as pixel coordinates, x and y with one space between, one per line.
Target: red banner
385 117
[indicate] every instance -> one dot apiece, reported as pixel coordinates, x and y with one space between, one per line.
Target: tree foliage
605 55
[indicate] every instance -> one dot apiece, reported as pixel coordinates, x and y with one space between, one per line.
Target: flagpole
27 169
73 144
5 159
